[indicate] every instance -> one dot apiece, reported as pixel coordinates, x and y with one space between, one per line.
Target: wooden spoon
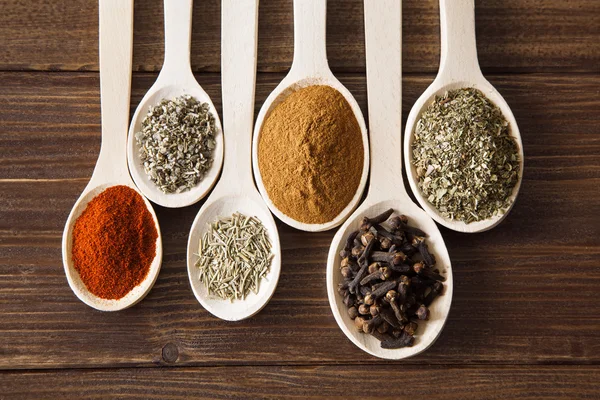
116 47
383 50
235 191
175 79
459 68
309 68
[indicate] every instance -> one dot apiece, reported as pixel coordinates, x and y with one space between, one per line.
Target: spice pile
466 160
310 154
389 279
235 254
114 242
176 143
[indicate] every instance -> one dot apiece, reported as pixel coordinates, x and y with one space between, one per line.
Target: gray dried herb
467 162
176 143
235 254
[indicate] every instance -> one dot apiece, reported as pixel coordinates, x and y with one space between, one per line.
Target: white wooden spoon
383 50
309 67
459 68
175 79
235 191
116 48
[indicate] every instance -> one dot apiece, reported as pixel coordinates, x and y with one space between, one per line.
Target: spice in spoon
310 154
389 279
467 163
235 255
176 143
114 242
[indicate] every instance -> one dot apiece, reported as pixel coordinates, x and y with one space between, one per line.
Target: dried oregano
466 161
176 143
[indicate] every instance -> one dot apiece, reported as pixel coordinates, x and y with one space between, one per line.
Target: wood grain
51 122
525 317
448 383
525 292
513 35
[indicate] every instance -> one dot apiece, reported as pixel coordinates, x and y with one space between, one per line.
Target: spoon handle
116 49
178 39
310 52
239 32
458 60
383 42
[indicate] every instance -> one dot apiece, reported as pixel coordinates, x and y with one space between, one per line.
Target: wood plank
51 122
513 35
525 292
554 382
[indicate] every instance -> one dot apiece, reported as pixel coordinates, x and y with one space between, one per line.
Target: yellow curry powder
310 154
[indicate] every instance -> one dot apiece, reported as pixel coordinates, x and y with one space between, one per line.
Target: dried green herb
235 254
176 143
466 161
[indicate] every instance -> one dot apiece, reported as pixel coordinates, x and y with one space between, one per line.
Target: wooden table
525 321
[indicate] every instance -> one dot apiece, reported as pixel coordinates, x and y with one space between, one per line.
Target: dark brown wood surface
525 318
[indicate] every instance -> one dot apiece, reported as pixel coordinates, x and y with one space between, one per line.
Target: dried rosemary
176 143
235 254
466 160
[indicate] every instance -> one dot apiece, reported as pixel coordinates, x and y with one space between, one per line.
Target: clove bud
364 309
367 223
385 289
352 312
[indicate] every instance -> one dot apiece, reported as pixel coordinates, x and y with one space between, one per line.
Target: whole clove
349 244
398 225
374 267
367 223
422 312
357 250
391 297
374 309
358 323
422 270
411 328
396 258
388 315
393 239
352 312
381 274
366 238
370 324
347 272
389 280
379 292
419 243
383 327
403 341
435 291
364 309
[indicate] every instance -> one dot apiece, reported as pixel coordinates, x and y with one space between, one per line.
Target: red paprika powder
114 242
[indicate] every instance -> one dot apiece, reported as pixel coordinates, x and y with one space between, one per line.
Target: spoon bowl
383 39
175 79
459 68
78 287
428 330
309 68
116 49
223 206
235 192
155 95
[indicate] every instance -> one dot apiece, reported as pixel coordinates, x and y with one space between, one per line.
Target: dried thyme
176 143
235 254
467 162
